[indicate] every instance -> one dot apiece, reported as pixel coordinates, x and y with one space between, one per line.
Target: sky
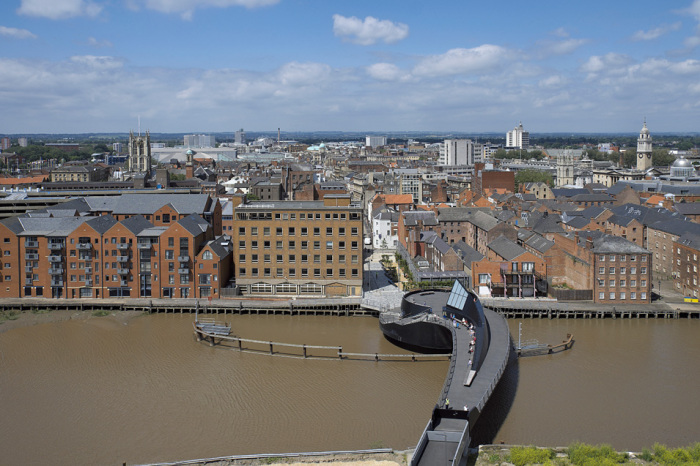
79 66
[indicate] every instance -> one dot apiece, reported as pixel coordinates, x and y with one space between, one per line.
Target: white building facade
518 138
375 141
457 152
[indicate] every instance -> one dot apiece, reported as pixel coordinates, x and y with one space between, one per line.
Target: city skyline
80 66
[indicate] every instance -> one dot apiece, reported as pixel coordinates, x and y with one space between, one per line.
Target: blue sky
354 65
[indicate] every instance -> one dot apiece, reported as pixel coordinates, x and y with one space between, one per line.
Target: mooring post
340 352
304 347
211 341
240 347
376 356
270 347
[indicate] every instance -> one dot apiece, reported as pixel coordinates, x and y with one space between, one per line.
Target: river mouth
105 391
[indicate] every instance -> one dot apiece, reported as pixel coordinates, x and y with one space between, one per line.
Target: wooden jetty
537 349
299 351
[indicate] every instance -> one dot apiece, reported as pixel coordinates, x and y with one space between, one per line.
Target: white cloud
561 47
368 31
98 43
16 33
656 32
553 81
186 8
302 74
692 42
385 72
694 10
59 9
97 63
476 60
598 63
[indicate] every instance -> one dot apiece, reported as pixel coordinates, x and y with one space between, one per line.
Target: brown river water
98 391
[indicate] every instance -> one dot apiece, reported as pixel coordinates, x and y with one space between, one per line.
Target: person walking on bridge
447 403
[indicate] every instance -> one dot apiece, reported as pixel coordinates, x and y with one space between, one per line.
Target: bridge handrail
453 363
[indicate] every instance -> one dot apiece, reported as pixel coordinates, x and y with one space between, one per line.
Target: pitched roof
687 208
616 244
539 243
467 253
506 248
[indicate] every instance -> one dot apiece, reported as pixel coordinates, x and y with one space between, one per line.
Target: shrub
581 454
521 456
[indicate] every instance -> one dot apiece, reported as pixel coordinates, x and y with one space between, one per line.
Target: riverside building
299 248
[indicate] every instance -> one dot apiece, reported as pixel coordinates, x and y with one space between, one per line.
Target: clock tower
644 149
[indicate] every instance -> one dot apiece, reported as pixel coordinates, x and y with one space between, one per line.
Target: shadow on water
497 408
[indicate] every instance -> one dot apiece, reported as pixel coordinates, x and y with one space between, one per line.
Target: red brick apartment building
616 270
100 256
304 248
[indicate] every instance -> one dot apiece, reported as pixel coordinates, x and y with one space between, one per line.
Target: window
341 258
642 283
304 245
644 258
329 258
254 231
329 244
623 295
292 245
355 272
241 245
266 244
241 230
292 258
612 270
304 272
169 254
254 272
304 258
329 231
528 266
292 272
278 231
612 295
601 282
266 231
317 231
207 255
329 272
241 272
354 244
354 231
254 258
623 258
354 259
317 245
317 273
304 231
204 279
317 258
633 295
623 270
341 273
278 245
601 257
633 258
612 257
633 282
612 283
601 270
633 270
266 257
484 278
254 244
642 295
291 231
278 258
643 270
341 231
279 273
623 283
341 244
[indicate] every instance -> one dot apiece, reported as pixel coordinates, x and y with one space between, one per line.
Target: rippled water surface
100 392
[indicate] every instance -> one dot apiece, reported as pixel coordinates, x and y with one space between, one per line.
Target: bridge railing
453 361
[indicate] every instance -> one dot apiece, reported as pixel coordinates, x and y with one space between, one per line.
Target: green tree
532 176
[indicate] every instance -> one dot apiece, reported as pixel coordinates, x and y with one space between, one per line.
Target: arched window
207 255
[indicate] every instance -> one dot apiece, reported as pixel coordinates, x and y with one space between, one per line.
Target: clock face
648 156
640 156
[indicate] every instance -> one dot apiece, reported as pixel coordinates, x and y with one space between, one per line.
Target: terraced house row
128 246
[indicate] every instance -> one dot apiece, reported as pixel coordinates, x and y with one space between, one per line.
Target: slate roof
592 212
194 224
102 223
646 215
439 244
467 253
484 221
548 224
687 208
568 192
136 224
616 244
539 243
221 246
691 240
147 203
578 222
676 226
411 218
506 248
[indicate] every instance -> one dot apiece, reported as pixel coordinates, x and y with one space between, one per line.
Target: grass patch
9 315
36 310
522 456
376 445
100 313
581 454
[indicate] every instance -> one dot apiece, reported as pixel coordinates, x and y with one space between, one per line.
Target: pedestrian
466 408
447 403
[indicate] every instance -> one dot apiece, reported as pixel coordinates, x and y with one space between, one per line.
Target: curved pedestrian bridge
479 339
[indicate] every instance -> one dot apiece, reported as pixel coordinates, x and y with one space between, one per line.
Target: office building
518 138
457 152
299 248
375 141
199 140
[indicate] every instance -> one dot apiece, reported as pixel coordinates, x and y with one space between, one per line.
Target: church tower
644 149
140 153
565 169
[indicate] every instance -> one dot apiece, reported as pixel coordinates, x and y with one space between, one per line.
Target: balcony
183 271
31 244
88 282
122 271
122 259
84 246
56 271
29 269
145 272
123 246
123 283
55 246
55 259
183 258
88 269
31 257
144 245
56 282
